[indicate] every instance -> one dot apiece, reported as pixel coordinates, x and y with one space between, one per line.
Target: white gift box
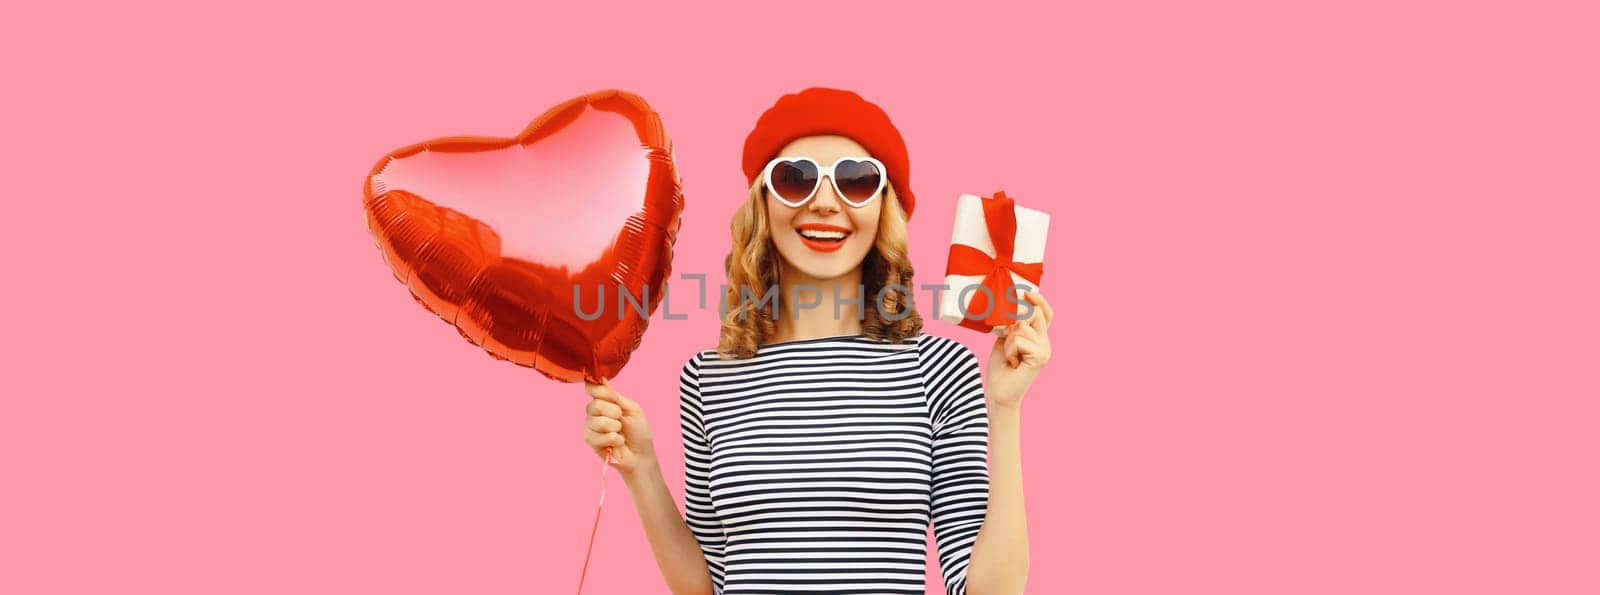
972 229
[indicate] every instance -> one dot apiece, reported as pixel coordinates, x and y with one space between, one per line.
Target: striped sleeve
698 512
960 418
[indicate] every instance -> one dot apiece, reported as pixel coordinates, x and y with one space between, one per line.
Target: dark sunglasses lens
858 180
794 180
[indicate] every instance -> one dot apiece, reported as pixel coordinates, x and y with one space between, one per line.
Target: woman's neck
813 308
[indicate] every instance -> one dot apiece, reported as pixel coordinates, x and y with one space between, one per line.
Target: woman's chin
825 268
823 265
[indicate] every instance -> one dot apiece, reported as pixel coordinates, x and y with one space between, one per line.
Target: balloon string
603 468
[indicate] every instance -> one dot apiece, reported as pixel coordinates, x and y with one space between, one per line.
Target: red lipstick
829 238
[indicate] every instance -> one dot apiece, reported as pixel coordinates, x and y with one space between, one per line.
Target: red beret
820 110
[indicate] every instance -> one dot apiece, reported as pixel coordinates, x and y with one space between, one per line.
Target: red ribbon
1000 215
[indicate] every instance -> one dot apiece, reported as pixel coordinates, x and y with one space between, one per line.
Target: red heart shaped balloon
494 234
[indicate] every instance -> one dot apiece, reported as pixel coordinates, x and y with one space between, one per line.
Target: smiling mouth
823 240
823 236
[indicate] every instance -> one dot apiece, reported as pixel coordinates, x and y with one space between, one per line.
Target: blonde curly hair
753 266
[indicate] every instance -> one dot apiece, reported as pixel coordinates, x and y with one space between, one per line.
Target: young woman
826 432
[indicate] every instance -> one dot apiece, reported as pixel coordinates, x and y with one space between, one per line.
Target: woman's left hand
1019 354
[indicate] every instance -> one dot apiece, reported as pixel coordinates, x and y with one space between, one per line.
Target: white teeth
817 234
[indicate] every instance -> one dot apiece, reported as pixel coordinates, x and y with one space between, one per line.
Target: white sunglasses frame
825 171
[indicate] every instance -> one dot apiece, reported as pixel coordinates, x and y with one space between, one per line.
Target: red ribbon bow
1000 215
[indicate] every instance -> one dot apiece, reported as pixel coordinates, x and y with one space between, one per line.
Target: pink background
1326 279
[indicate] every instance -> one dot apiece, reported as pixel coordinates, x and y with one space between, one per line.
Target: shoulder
947 366
698 358
952 381
935 352
689 376
927 341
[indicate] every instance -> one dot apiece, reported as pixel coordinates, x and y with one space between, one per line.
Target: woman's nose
826 200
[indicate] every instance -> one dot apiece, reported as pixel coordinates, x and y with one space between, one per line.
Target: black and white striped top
817 465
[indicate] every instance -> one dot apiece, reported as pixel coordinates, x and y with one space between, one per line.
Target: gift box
996 253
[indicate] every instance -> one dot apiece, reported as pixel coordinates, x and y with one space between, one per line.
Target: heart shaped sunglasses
794 180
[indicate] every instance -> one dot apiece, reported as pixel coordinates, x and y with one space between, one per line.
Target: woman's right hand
615 425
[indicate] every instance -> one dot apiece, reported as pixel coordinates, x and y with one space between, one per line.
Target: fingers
1032 352
600 441
629 406
1033 344
604 392
615 455
1032 349
1026 329
603 425
601 391
1043 314
1009 348
1022 344
598 406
